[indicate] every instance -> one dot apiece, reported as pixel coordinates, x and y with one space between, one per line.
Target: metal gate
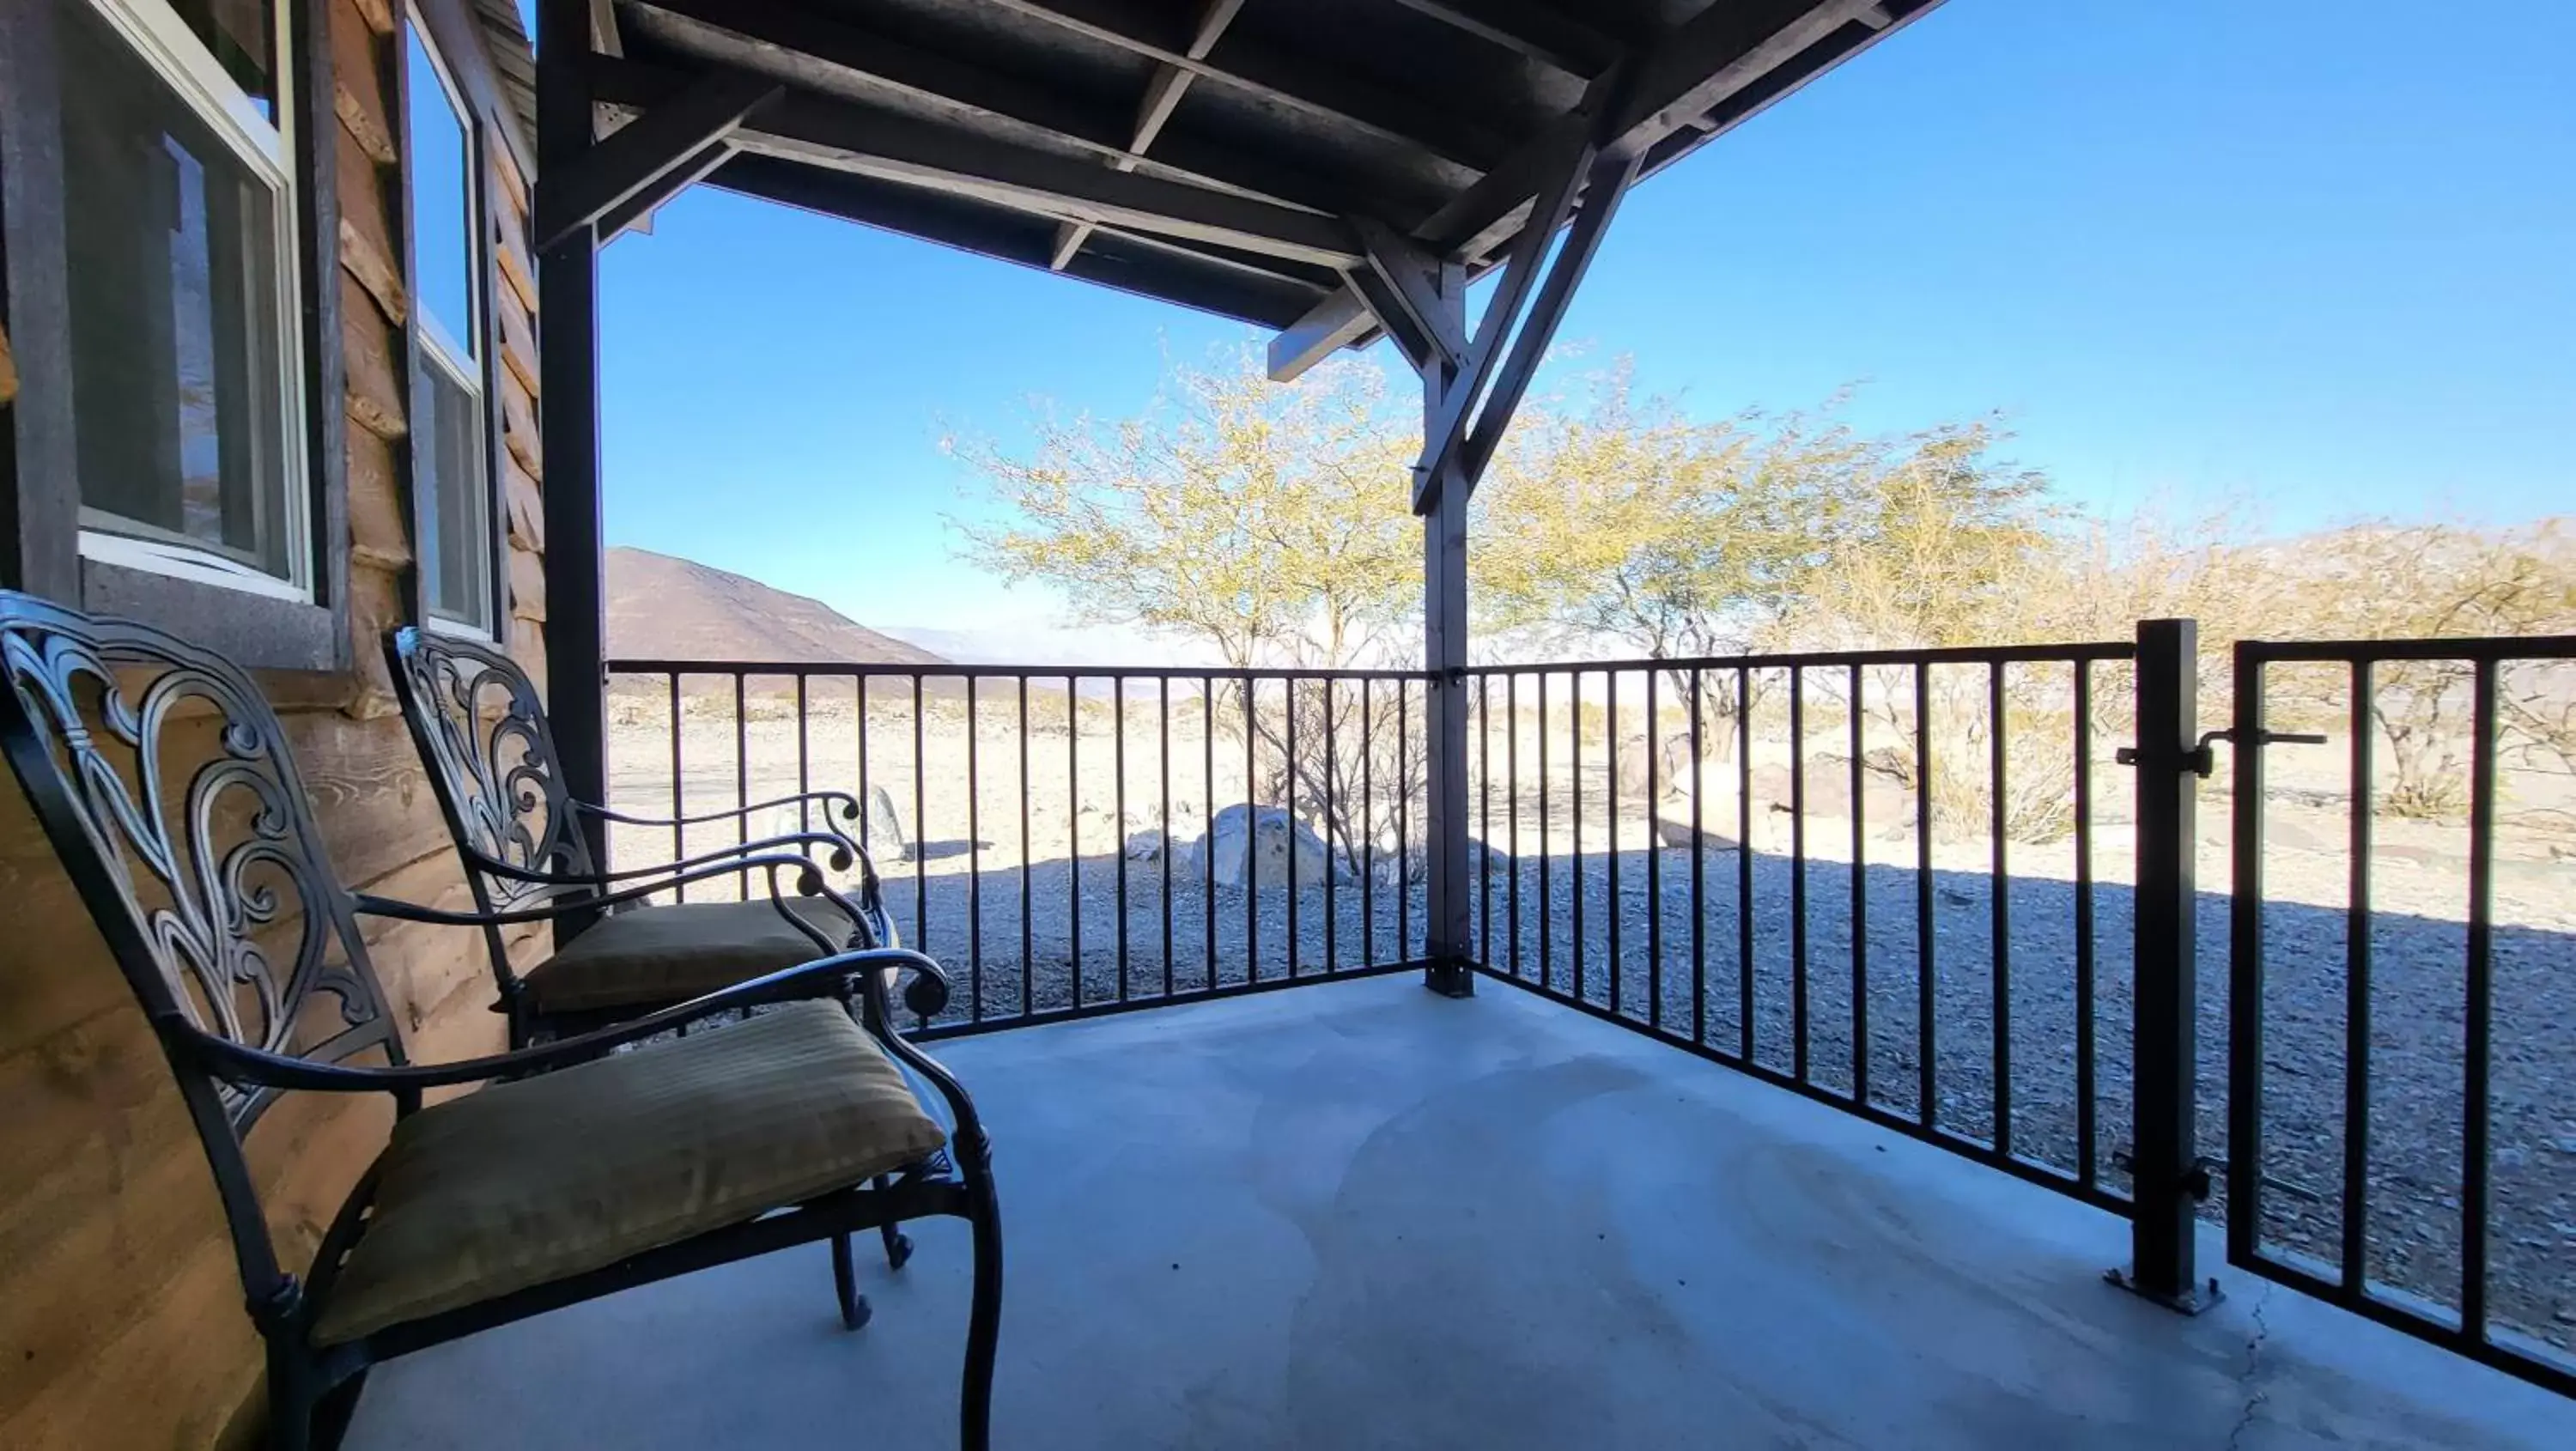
2287 1227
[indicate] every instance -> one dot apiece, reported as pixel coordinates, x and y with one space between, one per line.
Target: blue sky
2313 255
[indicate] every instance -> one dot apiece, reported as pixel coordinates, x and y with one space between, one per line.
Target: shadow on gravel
1550 921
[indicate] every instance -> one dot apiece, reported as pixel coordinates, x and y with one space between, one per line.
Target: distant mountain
665 608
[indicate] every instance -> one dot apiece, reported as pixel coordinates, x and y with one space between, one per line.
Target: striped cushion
646 956
531 1181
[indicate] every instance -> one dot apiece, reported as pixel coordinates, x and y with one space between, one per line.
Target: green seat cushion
667 954
527 1182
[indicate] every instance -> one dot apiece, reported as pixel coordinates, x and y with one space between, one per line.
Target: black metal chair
164 783
482 732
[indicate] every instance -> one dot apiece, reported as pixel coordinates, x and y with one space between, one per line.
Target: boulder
1258 845
886 839
1674 769
1673 827
1145 846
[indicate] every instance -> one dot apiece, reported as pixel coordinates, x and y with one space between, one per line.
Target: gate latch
2202 762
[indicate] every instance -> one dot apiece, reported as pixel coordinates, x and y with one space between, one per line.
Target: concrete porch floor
1357 1215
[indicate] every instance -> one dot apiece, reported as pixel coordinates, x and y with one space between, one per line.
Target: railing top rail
2465 647
2066 653
950 671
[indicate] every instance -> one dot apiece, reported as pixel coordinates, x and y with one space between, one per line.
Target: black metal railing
1821 869
1954 891
2399 1061
1070 840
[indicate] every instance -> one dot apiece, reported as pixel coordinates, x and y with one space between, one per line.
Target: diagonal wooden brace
651 159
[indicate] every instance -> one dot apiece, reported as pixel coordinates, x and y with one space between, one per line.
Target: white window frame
164 43
439 351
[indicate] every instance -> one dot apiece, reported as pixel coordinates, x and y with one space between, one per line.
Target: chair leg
845 1281
334 1410
984 1318
898 1245
291 1402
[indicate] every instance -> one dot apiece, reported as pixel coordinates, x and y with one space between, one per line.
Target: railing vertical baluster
1859 907
679 807
2244 946
1336 823
804 774
1699 859
1512 810
1485 823
1288 739
1610 777
1368 828
1546 850
2479 1048
1927 999
867 802
1163 855
1118 805
741 782
2356 1042
1073 826
1207 823
1798 871
974 860
1582 877
2000 902
920 829
1744 863
1654 864
2087 1130
1251 840
1028 923
1404 823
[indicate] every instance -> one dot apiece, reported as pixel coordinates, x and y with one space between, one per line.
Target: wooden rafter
1279 79
1162 97
1681 77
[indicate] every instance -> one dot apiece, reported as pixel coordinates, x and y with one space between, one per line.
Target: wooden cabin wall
122 1324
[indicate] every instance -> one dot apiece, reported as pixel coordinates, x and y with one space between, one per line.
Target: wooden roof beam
1688 73
823 130
1162 97
1319 91
813 50
1535 31
967 227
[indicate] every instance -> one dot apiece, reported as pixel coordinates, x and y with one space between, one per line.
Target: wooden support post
568 367
1444 613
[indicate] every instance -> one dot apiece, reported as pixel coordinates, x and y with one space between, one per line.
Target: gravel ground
965 907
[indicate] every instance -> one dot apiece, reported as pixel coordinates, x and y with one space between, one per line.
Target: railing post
2167 1178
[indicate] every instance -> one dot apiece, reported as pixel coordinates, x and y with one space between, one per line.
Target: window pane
442 203
242 34
177 406
456 557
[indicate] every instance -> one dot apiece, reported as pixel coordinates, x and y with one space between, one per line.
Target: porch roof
1233 156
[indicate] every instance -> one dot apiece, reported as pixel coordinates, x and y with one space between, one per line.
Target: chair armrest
809 880
843 857
847 804
823 977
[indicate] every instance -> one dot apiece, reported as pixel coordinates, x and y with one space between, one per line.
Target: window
451 473
179 227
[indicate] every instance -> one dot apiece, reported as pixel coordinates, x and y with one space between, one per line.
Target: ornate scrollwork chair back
477 720
162 779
